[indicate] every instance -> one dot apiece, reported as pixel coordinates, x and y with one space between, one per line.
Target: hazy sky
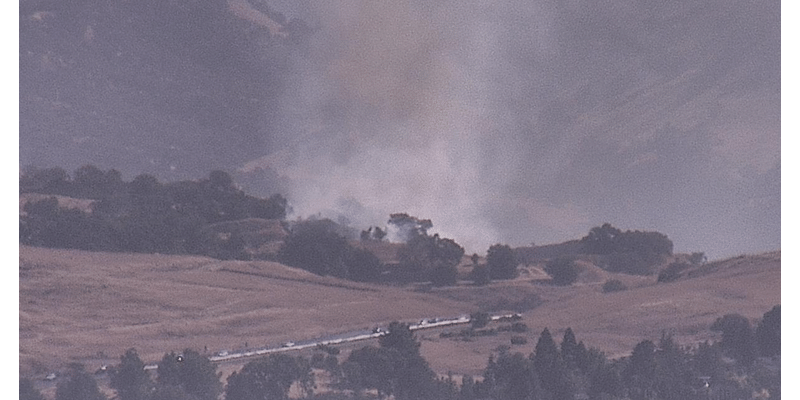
506 121
532 121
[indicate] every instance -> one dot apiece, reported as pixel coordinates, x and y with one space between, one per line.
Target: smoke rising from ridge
517 122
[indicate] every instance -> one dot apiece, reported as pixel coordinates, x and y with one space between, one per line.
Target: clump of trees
143 215
672 272
316 246
563 270
743 362
632 252
501 262
425 257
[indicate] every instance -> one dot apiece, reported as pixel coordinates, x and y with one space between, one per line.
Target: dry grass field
89 307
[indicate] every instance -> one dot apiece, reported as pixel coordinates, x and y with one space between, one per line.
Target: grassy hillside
90 307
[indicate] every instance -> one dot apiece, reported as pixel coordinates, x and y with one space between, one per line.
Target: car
288 344
377 329
223 353
51 376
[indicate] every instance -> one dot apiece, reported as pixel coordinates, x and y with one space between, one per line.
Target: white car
288 344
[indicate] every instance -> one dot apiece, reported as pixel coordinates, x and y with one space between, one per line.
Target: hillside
616 322
90 307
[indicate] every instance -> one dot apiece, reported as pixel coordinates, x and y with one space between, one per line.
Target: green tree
192 372
431 258
737 337
315 247
640 372
511 377
501 261
129 378
78 385
563 270
270 378
768 332
480 275
601 239
27 391
549 367
363 265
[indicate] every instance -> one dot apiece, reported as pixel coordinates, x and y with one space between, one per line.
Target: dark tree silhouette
737 337
129 378
768 332
563 270
270 378
27 391
192 372
501 261
78 385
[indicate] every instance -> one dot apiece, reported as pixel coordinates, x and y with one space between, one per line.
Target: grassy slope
74 304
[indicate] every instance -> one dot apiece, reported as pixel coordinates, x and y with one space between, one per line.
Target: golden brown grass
90 307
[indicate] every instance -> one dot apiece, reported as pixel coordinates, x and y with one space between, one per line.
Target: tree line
143 215
744 364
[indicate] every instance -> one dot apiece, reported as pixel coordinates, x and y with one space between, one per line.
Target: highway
425 323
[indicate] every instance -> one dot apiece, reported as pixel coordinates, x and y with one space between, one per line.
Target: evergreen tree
129 378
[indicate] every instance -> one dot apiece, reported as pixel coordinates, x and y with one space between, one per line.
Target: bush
480 275
672 272
479 319
519 327
614 285
563 271
519 340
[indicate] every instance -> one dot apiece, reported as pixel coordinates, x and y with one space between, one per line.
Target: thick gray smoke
523 121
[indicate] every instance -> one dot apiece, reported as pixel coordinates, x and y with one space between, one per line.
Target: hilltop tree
129 378
501 261
563 270
409 227
601 239
431 257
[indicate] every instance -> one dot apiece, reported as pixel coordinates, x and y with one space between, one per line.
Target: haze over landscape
502 122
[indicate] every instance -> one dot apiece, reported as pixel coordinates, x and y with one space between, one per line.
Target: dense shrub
614 285
672 272
519 340
563 270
